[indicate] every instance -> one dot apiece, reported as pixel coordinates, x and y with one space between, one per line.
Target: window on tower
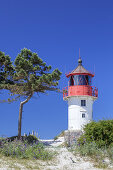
83 115
83 102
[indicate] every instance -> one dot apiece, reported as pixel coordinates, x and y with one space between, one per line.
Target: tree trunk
20 115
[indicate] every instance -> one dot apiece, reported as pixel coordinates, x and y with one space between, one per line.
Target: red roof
80 70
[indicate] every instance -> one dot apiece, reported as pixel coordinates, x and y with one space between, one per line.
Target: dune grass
27 148
97 143
101 157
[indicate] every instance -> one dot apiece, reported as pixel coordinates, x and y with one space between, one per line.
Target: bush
100 132
31 139
24 149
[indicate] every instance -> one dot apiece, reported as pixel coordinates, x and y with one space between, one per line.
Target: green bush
31 139
25 149
100 132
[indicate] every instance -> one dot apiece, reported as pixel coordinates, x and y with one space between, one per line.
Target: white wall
75 110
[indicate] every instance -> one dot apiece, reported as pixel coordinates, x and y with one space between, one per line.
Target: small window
83 115
83 102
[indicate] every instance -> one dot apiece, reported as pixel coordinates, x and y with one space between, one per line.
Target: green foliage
100 132
89 149
59 135
6 74
97 142
33 75
22 149
92 151
6 69
56 137
31 139
29 75
110 152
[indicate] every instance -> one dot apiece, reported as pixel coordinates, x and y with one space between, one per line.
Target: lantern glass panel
82 80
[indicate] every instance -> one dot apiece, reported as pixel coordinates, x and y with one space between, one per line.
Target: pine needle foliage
33 75
6 74
29 75
6 71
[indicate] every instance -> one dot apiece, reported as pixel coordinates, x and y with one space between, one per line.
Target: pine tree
6 72
32 75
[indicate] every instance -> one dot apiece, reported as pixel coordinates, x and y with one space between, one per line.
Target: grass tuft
101 157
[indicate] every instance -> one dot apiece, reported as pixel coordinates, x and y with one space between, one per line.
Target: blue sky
56 29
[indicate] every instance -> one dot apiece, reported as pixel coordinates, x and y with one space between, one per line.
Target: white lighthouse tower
80 95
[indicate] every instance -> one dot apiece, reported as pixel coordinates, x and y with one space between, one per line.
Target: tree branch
26 100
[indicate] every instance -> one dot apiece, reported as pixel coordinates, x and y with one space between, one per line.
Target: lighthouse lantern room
80 95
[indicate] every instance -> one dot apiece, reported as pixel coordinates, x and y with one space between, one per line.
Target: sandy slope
65 159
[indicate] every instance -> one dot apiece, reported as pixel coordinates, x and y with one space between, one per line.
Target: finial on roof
79 60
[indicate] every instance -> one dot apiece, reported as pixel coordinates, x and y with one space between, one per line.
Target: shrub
24 149
100 132
31 139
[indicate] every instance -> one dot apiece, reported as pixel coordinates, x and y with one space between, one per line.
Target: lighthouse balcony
80 90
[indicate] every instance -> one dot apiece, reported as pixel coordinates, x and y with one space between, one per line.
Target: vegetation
6 70
101 157
56 137
100 132
6 73
28 76
59 135
26 148
29 139
97 143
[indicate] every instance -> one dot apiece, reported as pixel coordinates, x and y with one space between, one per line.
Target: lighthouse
80 95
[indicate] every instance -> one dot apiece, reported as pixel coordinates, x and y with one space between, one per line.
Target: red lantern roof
80 70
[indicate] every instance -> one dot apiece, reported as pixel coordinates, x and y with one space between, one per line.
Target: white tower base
79 115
